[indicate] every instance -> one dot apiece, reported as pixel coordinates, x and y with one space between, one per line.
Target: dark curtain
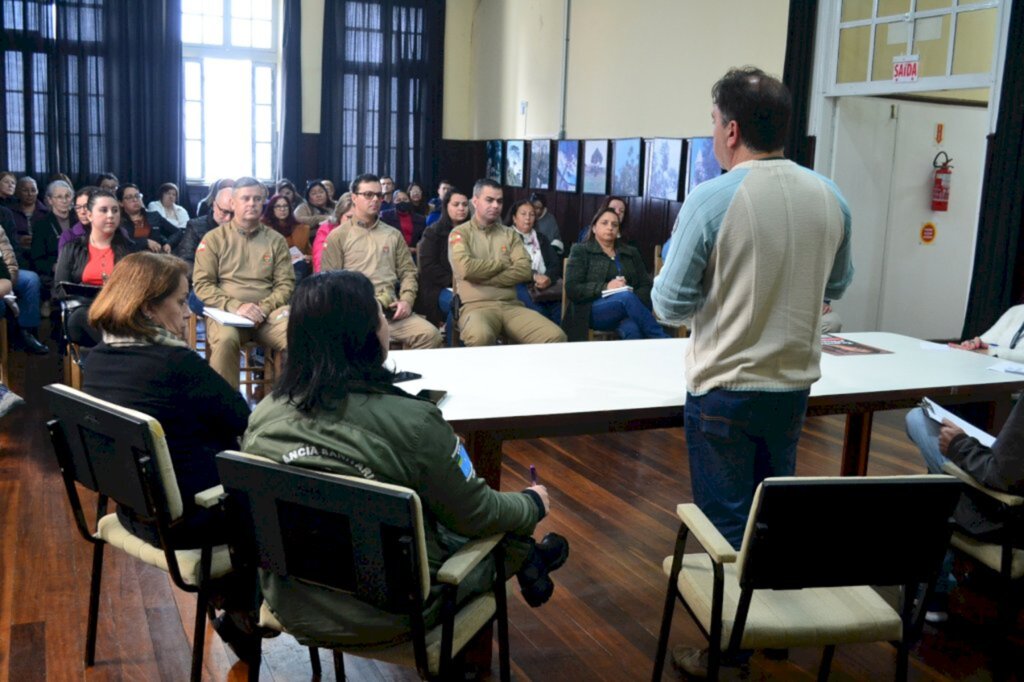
382 79
797 74
998 279
144 94
290 140
93 86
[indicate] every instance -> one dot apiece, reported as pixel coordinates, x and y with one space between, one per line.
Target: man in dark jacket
196 228
1000 467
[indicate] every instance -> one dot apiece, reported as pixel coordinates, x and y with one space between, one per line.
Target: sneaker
937 609
9 400
694 662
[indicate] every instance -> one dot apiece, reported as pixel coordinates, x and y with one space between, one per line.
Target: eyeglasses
225 211
81 207
370 196
133 197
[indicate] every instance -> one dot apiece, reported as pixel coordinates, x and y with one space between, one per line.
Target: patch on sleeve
462 458
456 237
201 247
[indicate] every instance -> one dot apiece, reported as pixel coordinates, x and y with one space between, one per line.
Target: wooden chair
122 455
1000 555
375 551
812 548
72 367
257 377
681 332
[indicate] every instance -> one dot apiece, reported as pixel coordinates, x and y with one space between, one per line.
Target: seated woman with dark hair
277 215
90 260
544 293
317 207
142 313
336 396
617 204
434 299
605 264
167 206
546 223
149 229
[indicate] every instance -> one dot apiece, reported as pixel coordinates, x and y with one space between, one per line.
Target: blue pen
533 474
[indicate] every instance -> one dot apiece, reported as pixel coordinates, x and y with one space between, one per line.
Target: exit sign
904 68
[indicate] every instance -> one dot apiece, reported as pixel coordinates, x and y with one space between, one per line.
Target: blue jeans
549 309
924 432
736 439
444 304
27 289
627 315
194 304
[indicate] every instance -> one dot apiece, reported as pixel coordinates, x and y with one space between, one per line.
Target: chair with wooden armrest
375 552
804 572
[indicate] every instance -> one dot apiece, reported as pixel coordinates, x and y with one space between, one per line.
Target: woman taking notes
607 285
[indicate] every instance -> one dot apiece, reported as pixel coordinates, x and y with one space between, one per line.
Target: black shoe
27 342
246 647
534 580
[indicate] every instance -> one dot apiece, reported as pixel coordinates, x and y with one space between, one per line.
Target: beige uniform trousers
226 342
415 332
480 324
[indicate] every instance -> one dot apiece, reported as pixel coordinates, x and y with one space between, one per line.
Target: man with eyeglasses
196 228
244 267
367 245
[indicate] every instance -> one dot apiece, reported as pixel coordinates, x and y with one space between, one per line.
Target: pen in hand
533 474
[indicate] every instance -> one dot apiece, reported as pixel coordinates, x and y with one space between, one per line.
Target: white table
498 393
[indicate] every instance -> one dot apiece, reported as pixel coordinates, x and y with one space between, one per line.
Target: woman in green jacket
335 409
608 286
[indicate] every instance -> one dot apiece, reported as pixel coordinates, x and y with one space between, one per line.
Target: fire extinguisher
940 184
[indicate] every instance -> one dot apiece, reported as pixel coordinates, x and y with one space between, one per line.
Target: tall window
376 106
230 58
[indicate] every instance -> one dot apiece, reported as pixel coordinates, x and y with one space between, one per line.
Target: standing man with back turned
754 252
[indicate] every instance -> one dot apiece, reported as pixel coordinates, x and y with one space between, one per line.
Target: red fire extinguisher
941 182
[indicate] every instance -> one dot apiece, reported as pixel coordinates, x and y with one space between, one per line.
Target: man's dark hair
333 347
360 179
484 182
759 103
105 176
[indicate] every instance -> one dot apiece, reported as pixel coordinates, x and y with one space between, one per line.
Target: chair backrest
658 261
350 534
114 451
833 531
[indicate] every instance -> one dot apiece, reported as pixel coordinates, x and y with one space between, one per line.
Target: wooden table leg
856 444
484 449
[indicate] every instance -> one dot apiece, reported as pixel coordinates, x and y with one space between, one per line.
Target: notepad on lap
937 413
612 292
227 319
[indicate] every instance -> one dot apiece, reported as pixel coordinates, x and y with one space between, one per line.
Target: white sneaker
9 400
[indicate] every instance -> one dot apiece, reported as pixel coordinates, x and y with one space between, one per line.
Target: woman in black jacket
608 286
434 299
149 229
544 293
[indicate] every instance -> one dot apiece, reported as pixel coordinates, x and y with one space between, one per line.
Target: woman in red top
89 260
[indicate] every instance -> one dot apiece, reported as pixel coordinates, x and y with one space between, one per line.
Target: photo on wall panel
493 161
595 166
540 164
664 158
567 165
514 157
626 167
701 164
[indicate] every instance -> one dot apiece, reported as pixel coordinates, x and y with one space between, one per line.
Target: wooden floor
613 496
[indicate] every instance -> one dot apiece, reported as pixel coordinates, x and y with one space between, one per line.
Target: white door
883 164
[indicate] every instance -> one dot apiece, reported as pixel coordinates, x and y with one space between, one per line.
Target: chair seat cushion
110 530
989 554
783 618
468 620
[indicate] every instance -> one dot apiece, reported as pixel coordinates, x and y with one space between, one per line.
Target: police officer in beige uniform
367 245
244 267
489 260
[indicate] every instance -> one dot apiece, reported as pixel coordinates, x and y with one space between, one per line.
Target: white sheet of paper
295 254
227 319
1008 367
937 413
930 345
